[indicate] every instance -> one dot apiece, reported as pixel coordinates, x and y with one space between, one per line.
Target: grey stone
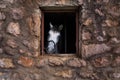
93 49
1 50
17 13
2 16
11 43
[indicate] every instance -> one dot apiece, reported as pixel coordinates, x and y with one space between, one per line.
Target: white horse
53 38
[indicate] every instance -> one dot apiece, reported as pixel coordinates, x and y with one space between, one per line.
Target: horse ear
51 26
60 27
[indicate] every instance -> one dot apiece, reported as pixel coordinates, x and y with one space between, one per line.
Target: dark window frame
76 10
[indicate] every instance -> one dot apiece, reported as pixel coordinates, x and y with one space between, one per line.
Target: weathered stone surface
112 32
10 51
116 75
80 2
1 50
10 1
1 37
3 5
17 13
85 73
116 62
75 62
41 62
2 16
25 61
13 28
102 61
64 73
93 49
114 41
27 43
111 23
34 24
1 22
11 43
6 63
55 61
86 35
117 50
35 44
88 22
98 11
114 10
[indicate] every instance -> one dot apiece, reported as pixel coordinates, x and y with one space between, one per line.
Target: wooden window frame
60 11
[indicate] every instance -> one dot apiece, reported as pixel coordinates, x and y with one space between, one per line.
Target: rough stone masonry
99 40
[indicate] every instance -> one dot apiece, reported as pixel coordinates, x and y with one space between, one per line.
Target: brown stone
25 61
1 50
86 73
88 22
64 73
86 35
116 75
1 22
11 43
99 12
17 13
34 24
114 41
10 1
111 23
10 51
102 61
41 62
113 10
13 28
6 63
112 32
117 50
80 2
116 62
93 49
55 61
75 62
2 16
3 5
35 44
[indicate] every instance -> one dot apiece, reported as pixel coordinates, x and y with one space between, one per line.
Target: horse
53 38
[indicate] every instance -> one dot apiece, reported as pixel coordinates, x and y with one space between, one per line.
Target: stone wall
99 41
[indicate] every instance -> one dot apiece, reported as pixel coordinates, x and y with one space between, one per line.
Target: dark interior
67 39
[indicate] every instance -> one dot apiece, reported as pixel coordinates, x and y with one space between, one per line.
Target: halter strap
54 50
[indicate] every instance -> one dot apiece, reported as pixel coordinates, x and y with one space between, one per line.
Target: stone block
11 43
86 35
6 63
55 61
2 16
1 50
17 13
76 62
13 28
111 23
116 62
102 61
64 73
88 22
25 61
93 49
